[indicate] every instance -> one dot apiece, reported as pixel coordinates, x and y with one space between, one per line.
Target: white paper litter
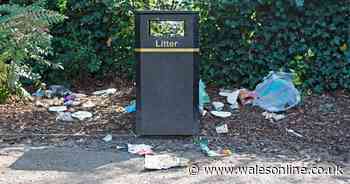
140 149
219 106
222 129
221 114
82 115
294 133
164 161
232 97
57 108
107 138
225 92
64 116
273 116
110 91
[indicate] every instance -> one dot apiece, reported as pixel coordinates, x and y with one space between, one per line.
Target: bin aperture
167 28
167 48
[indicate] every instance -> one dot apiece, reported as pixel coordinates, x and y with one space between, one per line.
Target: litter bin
166 49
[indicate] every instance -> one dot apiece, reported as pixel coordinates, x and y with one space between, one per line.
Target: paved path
23 164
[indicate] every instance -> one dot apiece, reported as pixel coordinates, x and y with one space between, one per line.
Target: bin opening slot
167 28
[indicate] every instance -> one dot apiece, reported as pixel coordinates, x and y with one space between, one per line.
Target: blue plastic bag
277 93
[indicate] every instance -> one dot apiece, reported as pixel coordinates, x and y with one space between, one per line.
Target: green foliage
167 29
243 40
3 74
97 39
4 91
24 37
4 94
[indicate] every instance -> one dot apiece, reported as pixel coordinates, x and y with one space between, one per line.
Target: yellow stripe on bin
167 50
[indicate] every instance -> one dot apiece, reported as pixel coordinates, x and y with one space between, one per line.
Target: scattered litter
203 143
225 92
222 129
131 107
108 138
79 95
203 96
206 150
41 104
58 90
72 110
273 116
39 93
76 103
49 102
164 161
221 114
120 109
72 103
140 149
226 152
327 108
246 97
234 106
48 93
64 116
110 91
294 133
121 147
55 101
88 104
57 109
219 106
204 112
68 103
69 98
232 97
82 115
277 93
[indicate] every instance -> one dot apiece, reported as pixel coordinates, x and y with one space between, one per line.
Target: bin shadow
69 160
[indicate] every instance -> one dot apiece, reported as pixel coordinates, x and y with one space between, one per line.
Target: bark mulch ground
322 120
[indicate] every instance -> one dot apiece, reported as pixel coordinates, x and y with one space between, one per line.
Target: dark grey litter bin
167 48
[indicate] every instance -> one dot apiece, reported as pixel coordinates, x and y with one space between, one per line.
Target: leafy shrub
243 40
23 38
4 93
96 40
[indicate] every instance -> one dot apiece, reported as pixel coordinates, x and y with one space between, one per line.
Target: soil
323 121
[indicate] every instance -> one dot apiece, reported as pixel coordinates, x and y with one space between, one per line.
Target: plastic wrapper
277 93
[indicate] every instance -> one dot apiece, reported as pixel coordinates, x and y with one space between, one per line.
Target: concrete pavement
25 164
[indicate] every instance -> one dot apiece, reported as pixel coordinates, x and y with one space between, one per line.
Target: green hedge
241 40
96 40
244 39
